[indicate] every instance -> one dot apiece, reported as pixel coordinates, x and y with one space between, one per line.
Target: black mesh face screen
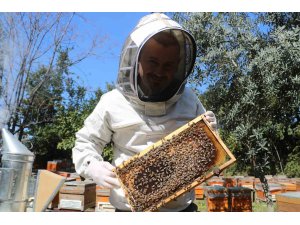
166 39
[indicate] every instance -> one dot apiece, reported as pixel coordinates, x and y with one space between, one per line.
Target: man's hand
211 118
102 174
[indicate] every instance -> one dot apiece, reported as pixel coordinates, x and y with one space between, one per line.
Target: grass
257 206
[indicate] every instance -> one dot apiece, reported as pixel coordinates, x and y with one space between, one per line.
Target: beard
153 85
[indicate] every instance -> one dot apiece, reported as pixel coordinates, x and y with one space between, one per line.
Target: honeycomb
168 169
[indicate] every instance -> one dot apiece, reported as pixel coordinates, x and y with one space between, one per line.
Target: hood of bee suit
128 76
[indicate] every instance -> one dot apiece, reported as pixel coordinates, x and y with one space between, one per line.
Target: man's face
157 66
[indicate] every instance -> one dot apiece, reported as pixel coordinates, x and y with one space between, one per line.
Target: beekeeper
149 102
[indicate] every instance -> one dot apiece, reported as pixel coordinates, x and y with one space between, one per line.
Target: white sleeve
91 138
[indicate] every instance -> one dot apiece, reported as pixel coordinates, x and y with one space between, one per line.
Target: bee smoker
15 173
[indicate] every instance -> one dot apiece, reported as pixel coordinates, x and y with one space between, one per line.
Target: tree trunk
265 186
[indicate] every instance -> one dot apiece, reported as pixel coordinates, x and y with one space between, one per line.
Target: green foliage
47 103
292 168
251 66
107 153
67 105
70 117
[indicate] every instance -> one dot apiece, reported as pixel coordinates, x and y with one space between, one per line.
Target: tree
34 42
250 64
1 59
55 140
3 111
41 94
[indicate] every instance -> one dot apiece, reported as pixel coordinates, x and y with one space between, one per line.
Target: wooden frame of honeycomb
173 165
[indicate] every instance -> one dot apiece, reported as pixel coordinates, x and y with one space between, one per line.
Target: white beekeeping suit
132 121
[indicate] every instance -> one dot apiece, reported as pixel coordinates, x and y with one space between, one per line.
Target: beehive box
230 181
216 199
104 207
288 202
247 182
273 188
102 194
77 195
53 166
74 176
170 167
63 173
297 185
54 203
102 200
199 192
289 186
215 181
279 178
240 199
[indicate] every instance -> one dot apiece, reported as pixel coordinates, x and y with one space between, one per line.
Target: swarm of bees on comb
168 169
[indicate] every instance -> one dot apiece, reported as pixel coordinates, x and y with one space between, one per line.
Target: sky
95 71
116 18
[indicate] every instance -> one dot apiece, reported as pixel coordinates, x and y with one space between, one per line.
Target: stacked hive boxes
216 199
289 201
248 182
240 192
102 200
55 166
228 199
199 192
77 195
239 199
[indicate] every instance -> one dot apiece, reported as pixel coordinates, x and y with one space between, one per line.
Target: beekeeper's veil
127 81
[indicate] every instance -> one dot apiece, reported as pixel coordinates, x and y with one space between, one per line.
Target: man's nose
159 71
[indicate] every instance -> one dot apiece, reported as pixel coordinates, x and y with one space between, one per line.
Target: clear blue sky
96 71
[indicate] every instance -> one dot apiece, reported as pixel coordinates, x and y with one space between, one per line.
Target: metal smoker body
15 173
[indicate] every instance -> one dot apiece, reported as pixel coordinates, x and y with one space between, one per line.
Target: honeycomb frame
222 159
